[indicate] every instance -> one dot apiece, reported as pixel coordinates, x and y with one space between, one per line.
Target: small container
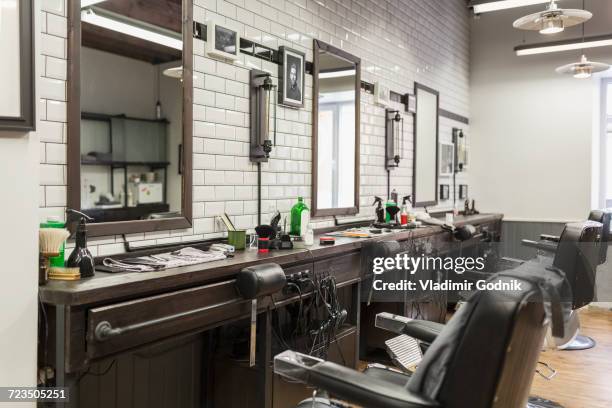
237 239
309 237
450 218
263 245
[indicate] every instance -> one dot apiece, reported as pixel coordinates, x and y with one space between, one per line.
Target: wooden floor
584 378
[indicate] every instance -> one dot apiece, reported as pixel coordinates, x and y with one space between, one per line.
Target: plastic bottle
56 222
309 237
300 218
404 214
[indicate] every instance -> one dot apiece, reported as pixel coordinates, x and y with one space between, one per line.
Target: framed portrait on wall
447 159
463 191
291 77
222 42
17 107
382 94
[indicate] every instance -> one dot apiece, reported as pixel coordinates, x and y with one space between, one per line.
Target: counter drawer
125 325
344 267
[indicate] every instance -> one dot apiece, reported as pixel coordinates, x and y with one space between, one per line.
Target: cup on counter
237 239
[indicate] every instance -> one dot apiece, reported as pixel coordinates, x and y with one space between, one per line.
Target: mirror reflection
131 109
336 137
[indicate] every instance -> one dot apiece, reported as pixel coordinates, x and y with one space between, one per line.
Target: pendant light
584 68
552 20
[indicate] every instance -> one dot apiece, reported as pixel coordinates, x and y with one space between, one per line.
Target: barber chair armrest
541 245
345 383
550 238
422 330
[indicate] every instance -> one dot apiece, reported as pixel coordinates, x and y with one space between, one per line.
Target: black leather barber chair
485 356
583 281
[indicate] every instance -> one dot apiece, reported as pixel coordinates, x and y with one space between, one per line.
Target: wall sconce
262 91
460 142
394 138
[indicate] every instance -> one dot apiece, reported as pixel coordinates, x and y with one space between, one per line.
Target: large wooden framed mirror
130 87
335 130
425 163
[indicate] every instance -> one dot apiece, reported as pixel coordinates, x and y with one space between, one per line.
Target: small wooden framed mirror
130 114
335 130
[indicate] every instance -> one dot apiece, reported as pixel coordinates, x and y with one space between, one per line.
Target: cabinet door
166 375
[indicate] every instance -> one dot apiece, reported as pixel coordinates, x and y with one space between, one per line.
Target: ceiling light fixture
488 6
552 20
583 69
131 27
565 45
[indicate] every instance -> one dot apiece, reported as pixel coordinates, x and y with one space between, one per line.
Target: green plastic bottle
56 222
300 217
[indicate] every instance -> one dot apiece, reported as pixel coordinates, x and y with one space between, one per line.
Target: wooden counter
108 287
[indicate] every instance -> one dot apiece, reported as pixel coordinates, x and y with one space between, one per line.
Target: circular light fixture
583 69
176 72
552 20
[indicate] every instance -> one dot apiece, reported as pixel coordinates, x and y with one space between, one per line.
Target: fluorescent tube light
487 6
87 3
134 28
337 74
565 45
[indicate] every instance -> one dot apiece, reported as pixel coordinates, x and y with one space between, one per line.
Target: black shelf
117 163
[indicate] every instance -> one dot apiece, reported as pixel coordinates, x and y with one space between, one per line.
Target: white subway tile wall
398 41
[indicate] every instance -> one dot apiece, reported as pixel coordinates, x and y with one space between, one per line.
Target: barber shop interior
306 203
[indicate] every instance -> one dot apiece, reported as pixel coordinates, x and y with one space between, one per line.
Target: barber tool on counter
236 238
470 211
81 257
462 233
273 236
50 242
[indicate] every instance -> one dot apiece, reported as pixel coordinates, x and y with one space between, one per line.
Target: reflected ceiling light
583 69
488 6
87 3
565 45
337 74
552 20
131 27
177 73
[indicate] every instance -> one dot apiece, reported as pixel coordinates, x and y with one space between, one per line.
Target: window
606 143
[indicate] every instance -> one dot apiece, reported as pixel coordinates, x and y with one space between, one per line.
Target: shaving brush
49 241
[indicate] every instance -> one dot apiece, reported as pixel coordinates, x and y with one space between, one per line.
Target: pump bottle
81 256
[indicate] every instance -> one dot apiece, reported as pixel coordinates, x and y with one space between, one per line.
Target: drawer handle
105 331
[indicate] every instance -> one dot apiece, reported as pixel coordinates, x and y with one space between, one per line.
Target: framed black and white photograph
447 159
444 191
463 191
411 103
291 77
382 94
222 42
17 107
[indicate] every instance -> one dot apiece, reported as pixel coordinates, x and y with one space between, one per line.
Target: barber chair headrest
257 281
577 256
383 249
602 216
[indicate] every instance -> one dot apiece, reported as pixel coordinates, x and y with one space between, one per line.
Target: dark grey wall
514 231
